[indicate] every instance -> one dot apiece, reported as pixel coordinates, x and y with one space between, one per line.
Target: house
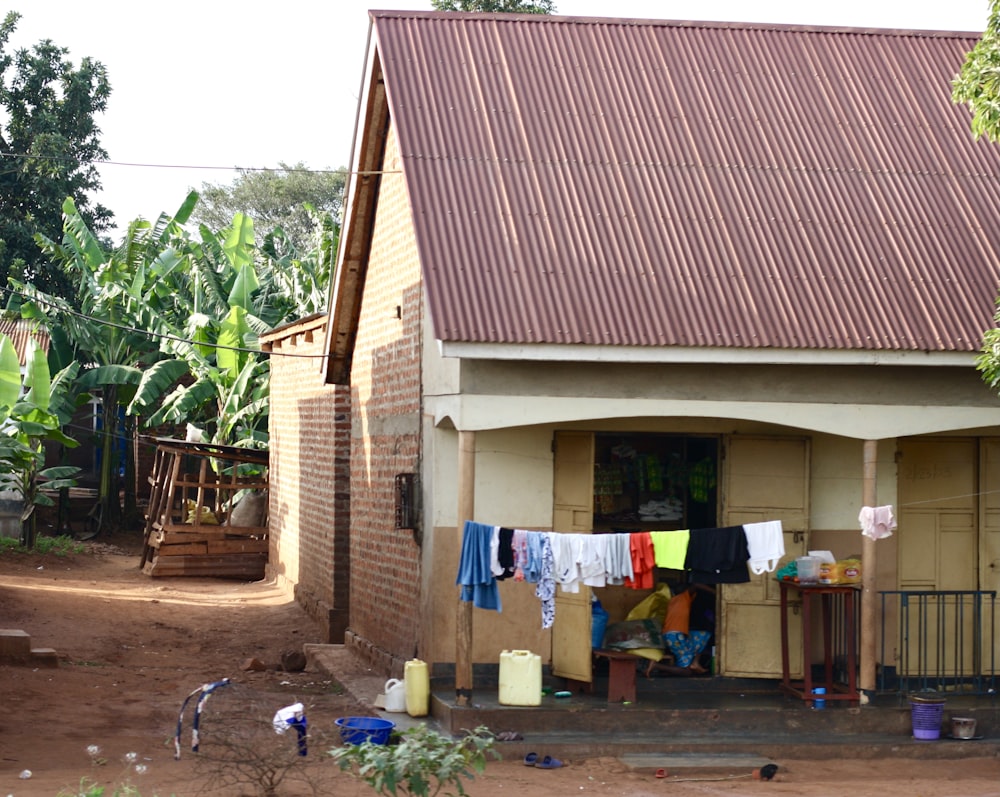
761 254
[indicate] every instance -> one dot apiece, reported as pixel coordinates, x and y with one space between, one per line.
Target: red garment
643 560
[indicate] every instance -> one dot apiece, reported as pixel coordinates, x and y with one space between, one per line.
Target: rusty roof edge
585 352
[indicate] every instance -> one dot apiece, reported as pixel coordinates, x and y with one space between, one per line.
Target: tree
119 294
978 81
49 141
32 413
497 6
978 86
285 198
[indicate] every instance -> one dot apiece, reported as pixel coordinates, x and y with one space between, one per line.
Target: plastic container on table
807 569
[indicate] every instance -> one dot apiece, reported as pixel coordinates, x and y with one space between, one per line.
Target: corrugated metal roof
20 331
656 183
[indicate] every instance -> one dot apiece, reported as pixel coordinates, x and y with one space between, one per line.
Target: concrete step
15 648
14 644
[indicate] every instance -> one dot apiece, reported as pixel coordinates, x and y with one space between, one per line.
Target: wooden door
573 511
764 478
989 530
939 540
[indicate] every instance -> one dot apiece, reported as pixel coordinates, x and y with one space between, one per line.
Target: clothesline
492 553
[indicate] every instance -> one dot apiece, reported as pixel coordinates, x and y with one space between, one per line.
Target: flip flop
661 773
549 763
531 759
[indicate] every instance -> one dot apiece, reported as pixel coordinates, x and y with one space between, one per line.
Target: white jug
395 695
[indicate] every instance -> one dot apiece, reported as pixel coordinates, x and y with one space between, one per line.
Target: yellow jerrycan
418 688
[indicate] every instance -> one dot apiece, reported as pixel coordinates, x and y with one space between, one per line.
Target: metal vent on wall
406 497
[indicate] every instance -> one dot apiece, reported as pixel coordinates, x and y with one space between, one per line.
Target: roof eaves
587 353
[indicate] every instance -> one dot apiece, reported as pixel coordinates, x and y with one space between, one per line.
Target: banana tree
30 417
227 391
123 292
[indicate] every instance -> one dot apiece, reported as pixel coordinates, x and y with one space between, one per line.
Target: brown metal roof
656 183
20 331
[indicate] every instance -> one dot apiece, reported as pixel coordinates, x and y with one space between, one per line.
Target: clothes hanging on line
718 556
877 522
765 544
475 571
548 559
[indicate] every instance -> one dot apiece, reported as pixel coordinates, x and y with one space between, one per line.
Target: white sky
217 84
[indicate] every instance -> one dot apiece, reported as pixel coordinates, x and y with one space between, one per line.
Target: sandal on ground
549 763
531 759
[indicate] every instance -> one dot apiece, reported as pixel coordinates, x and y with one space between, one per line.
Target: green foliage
497 6
28 419
287 198
57 546
978 83
49 141
422 763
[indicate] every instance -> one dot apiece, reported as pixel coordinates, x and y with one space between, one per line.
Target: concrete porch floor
692 720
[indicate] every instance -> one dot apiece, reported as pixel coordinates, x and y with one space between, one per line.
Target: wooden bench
621 674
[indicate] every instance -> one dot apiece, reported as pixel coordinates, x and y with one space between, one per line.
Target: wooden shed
207 511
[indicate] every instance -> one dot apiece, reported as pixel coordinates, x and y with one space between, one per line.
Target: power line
160 335
97 162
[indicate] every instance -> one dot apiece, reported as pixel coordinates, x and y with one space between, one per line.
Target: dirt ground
131 649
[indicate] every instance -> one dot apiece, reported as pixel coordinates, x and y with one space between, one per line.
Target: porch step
15 648
724 754
686 723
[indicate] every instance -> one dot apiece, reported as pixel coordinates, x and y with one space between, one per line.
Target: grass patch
57 546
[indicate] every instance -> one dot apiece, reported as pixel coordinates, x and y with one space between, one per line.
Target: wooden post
463 615
869 563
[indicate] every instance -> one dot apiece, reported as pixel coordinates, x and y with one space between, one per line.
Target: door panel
939 542
989 519
573 511
764 478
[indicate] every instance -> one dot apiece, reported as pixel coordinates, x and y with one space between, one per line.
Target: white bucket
963 727
395 695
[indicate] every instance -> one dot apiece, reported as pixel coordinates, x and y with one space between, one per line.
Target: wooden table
824 593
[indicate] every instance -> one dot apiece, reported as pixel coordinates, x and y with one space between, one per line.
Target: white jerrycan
395 695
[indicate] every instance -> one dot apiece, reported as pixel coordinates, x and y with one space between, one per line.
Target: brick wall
309 504
386 405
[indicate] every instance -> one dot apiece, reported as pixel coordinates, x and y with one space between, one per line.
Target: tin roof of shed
682 184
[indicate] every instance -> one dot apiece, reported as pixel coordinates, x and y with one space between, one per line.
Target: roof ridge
674 23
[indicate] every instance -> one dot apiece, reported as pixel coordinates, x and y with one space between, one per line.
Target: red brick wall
309 502
386 407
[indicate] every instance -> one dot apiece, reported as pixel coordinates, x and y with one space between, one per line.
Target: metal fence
944 641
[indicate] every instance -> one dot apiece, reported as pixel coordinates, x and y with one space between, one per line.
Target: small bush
420 762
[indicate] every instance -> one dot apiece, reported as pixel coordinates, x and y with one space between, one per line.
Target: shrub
420 763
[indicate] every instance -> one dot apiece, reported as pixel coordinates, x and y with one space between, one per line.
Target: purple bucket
926 717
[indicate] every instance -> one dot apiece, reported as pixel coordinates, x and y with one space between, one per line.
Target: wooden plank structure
197 489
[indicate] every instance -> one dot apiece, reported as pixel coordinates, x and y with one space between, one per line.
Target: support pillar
463 614
869 564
